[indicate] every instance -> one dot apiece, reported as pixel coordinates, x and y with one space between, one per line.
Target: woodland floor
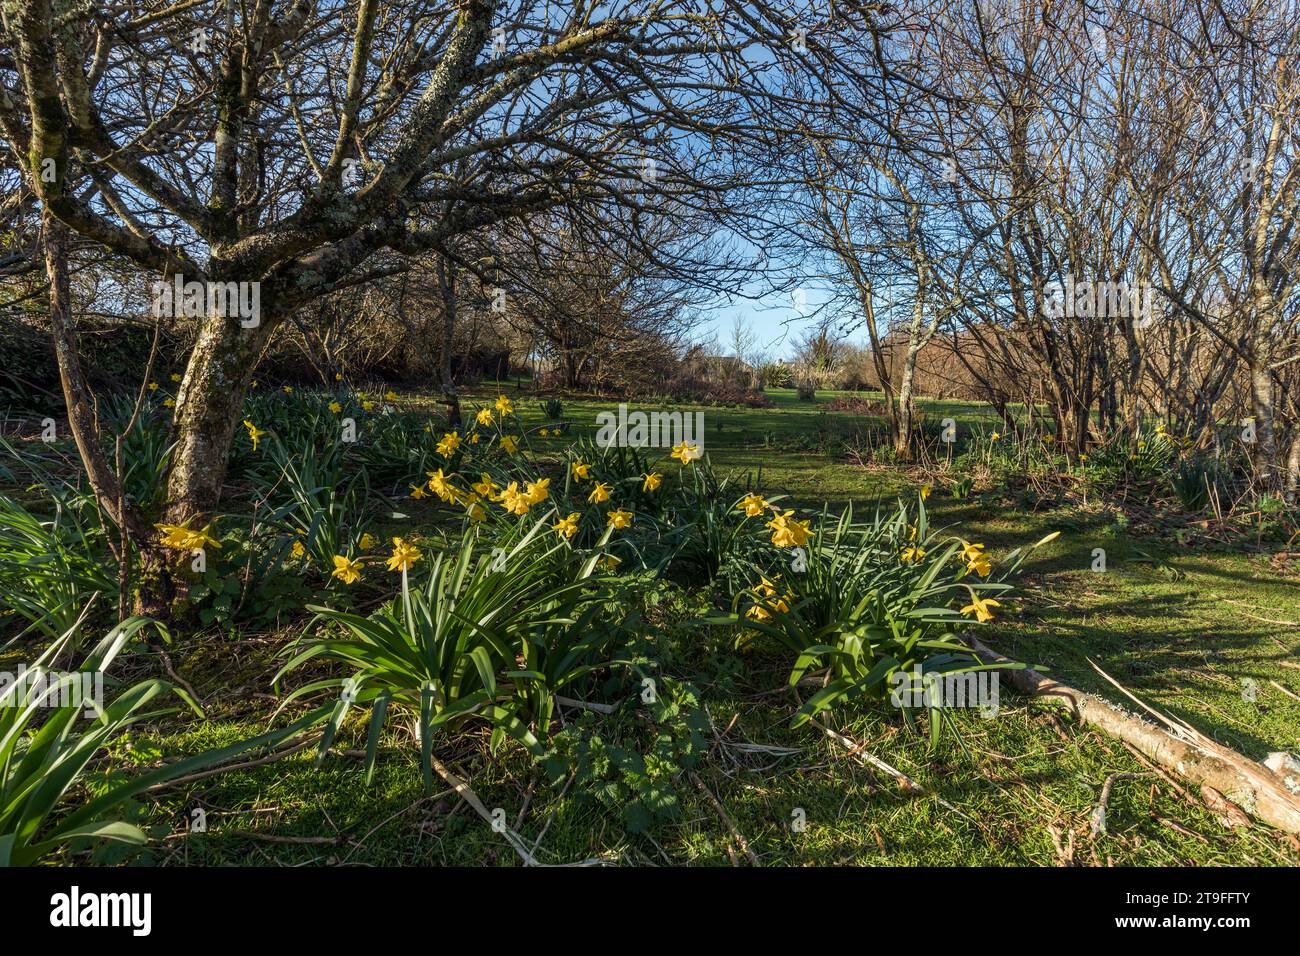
1181 626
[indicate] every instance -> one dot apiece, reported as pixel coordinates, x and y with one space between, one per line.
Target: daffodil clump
867 600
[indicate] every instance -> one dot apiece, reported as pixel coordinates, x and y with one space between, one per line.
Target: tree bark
209 407
83 423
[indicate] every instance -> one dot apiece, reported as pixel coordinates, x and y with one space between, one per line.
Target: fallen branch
470 797
1177 746
1099 811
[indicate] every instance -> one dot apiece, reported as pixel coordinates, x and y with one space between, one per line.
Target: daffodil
181 537
486 487
510 443
925 492
404 555
476 511
538 491
787 532
619 519
349 572
288 389
687 452
441 486
335 407
175 377
153 386
516 502
976 560
298 549
980 608
484 416
169 403
652 481
367 406
599 493
450 442
994 437
504 407
473 439
254 433
542 432
913 554
753 505
417 492
338 376
580 470
390 396
567 527
367 541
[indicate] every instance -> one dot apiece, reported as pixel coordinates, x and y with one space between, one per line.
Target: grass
1186 630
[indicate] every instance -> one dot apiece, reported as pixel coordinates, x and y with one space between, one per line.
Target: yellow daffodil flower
441 485
538 491
484 416
599 493
787 532
254 433
687 452
619 519
567 527
349 572
753 505
450 442
981 608
652 481
404 555
504 407
181 537
580 470
516 502
510 443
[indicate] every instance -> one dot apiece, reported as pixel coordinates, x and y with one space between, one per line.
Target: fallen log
1176 746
